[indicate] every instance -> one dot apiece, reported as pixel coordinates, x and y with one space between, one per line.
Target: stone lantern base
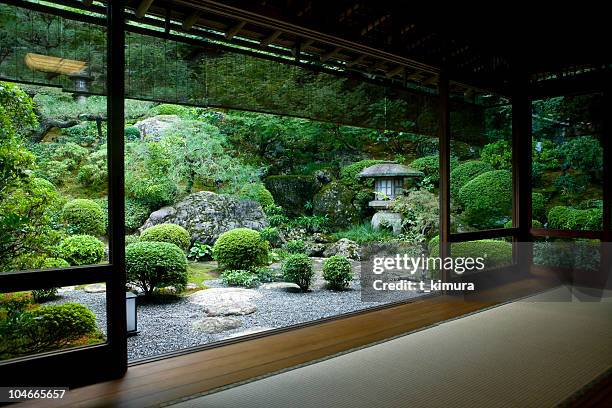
387 219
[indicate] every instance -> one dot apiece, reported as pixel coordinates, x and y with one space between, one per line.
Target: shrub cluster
296 246
297 268
430 166
172 233
257 192
338 272
465 172
240 277
81 250
151 265
498 154
561 217
84 216
241 248
495 252
131 133
487 199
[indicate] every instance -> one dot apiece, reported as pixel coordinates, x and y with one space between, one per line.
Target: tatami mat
531 353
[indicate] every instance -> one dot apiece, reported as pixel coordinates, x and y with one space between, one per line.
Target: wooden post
444 148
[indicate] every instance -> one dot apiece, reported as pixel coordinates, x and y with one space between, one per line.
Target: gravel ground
166 327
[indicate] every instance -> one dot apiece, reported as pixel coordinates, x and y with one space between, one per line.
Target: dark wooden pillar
115 87
521 171
606 140
444 148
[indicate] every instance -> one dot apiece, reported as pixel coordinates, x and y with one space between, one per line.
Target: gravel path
166 327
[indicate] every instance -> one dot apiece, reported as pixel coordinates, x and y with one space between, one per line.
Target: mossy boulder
292 192
336 202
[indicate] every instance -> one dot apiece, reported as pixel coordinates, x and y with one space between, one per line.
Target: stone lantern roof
389 169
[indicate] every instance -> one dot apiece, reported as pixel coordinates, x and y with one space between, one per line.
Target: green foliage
546 154
172 233
465 172
94 172
81 250
338 272
131 133
419 209
241 248
29 225
84 134
42 295
534 224
278 220
487 199
83 216
200 252
569 184
239 277
311 223
561 217
257 192
296 246
495 252
151 265
430 166
538 204
498 154
131 239
584 153
136 213
168 109
363 234
348 174
297 268
272 235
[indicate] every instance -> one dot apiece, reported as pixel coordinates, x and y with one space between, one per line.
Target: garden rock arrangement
206 215
344 247
226 301
155 126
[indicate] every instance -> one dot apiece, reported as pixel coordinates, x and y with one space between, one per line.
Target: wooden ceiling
388 40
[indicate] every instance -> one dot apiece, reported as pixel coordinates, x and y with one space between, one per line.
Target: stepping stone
216 324
252 330
95 288
226 301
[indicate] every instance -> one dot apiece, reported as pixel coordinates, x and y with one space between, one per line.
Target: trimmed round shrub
487 199
561 217
465 172
338 272
297 268
172 233
430 166
57 325
151 265
84 216
132 133
534 224
81 250
257 192
296 246
241 248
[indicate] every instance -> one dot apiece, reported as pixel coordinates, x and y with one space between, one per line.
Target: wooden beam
356 61
395 72
330 54
444 130
143 8
190 21
270 39
234 30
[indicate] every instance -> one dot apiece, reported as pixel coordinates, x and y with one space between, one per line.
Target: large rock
344 247
292 192
336 202
153 127
226 301
206 215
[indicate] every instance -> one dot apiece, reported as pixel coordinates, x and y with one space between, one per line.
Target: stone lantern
389 183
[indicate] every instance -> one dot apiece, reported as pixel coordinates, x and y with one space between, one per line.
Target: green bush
487 199
534 224
42 295
538 204
81 250
132 133
296 246
272 235
584 153
257 192
172 233
560 217
131 239
94 173
240 277
420 213
151 265
168 109
200 252
297 268
241 248
136 213
338 272
494 252
465 172
571 183
430 166
84 216
364 233
55 326
498 155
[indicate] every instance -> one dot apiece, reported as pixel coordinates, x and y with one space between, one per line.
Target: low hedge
81 250
151 265
241 249
83 216
172 233
590 219
495 253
